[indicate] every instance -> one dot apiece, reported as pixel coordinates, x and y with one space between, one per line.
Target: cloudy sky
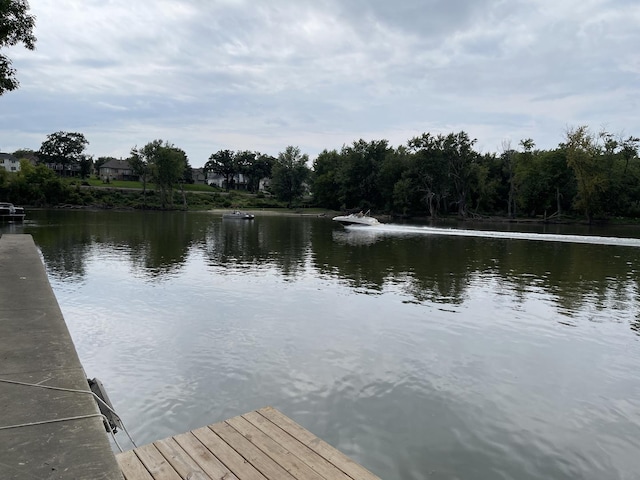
260 75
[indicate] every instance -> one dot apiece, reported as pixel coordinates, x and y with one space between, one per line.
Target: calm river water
421 353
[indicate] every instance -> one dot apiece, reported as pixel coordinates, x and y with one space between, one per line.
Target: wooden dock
263 444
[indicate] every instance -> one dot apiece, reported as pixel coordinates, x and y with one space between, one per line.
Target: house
116 169
265 184
9 162
66 170
198 176
238 181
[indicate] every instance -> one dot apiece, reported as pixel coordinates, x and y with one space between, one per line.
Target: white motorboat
238 215
361 219
11 213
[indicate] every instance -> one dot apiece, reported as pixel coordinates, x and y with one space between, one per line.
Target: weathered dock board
36 349
263 444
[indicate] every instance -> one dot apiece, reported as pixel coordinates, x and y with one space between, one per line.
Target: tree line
590 174
167 167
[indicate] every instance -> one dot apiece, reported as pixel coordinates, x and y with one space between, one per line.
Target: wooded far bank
591 175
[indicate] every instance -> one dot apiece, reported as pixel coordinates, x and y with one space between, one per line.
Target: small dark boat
10 213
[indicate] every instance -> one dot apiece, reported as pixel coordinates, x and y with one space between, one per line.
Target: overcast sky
260 75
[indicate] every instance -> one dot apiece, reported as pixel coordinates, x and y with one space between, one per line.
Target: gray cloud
262 75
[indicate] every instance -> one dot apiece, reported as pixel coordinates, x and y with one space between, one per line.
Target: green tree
359 173
325 187
585 157
485 189
4 184
428 172
629 148
254 166
24 153
163 164
37 185
403 192
290 171
65 148
619 153
392 167
187 175
16 26
222 163
508 157
86 165
167 170
458 150
141 160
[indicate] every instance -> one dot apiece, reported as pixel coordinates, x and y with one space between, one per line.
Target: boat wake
391 229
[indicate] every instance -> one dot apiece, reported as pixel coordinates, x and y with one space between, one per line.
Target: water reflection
442 268
425 267
276 241
420 355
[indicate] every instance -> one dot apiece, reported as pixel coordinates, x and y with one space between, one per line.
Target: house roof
116 164
8 156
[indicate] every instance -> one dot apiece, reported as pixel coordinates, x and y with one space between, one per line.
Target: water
422 353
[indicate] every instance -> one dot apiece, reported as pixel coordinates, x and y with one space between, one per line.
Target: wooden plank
319 464
157 465
248 450
203 457
283 457
131 466
227 455
180 460
325 450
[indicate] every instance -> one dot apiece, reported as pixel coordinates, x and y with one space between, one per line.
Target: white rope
43 422
65 419
73 390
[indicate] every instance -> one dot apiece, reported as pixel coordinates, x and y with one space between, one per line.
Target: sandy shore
264 212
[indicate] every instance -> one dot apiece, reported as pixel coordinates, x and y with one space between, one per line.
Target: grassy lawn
125 194
96 182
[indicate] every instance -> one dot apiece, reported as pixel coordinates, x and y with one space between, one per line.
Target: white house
9 162
238 182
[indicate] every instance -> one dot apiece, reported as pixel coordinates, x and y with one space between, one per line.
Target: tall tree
393 165
65 148
24 153
254 166
359 173
629 148
508 157
244 160
289 174
163 164
86 165
458 150
584 156
222 163
167 171
187 175
428 172
325 187
141 160
16 26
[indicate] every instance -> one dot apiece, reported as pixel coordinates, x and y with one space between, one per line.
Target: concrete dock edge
36 348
